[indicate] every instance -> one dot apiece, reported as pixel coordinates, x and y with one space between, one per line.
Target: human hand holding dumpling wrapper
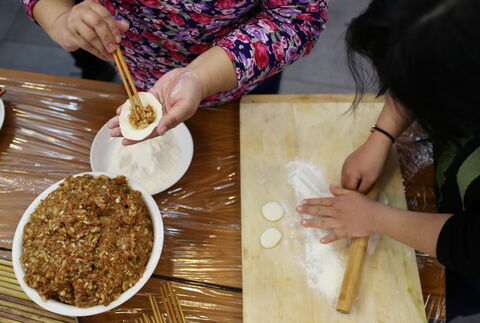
175 96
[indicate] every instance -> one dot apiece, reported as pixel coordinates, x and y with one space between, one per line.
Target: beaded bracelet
375 128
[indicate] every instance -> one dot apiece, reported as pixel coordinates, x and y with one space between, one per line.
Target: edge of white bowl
70 310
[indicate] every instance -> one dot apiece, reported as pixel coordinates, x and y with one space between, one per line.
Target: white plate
103 147
70 310
2 113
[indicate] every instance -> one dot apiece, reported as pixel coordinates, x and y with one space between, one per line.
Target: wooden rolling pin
351 277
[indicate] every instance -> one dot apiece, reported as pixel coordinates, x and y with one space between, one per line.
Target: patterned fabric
261 37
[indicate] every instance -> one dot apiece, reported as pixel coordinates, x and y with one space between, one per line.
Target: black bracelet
375 128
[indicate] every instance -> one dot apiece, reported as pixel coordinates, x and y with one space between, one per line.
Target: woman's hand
180 93
90 26
348 214
363 167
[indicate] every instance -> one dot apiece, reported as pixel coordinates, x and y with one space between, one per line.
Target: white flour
323 263
151 163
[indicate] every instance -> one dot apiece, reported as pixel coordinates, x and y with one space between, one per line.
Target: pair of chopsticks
137 105
172 306
15 305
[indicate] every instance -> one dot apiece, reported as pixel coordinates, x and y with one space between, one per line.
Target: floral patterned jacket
261 37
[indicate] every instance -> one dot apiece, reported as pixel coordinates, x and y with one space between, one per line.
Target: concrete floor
24 46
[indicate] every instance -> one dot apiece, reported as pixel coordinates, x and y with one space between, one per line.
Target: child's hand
90 26
180 93
348 214
362 167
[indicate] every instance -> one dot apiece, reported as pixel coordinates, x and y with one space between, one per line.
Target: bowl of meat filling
87 244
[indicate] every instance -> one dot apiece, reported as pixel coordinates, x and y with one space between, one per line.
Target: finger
365 186
327 201
102 31
350 182
122 25
116 132
113 123
338 191
90 41
315 210
332 237
320 223
119 110
82 43
109 22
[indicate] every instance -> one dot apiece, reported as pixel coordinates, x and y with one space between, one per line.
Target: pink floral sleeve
28 5
279 34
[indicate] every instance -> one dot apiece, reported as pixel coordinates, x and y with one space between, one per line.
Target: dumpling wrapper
270 238
128 131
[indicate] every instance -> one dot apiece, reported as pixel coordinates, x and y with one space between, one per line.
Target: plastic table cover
49 127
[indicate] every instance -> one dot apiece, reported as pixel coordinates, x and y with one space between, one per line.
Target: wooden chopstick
156 311
127 81
176 303
30 309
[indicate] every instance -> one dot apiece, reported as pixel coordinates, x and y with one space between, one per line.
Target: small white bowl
70 310
103 148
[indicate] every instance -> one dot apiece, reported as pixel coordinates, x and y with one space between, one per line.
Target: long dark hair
426 54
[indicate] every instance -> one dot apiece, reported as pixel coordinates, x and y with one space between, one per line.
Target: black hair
426 54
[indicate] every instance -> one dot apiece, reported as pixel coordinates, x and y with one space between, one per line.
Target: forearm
415 229
394 118
47 12
215 71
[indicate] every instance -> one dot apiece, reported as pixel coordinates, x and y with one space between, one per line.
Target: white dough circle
128 131
270 238
272 211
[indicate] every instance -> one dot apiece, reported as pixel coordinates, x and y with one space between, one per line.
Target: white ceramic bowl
103 148
70 310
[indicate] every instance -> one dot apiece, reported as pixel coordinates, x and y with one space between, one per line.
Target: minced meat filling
88 241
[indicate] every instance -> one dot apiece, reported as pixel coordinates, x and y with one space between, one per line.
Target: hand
363 167
348 214
180 93
89 26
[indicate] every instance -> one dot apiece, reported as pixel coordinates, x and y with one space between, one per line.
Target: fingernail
303 222
111 48
299 208
118 39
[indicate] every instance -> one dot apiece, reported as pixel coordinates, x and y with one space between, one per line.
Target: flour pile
323 263
151 163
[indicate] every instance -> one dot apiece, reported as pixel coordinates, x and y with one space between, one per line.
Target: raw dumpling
128 131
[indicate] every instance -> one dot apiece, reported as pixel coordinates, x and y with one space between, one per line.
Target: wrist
379 140
379 217
196 74
214 70
48 12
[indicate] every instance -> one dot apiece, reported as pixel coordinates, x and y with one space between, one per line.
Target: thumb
338 191
170 120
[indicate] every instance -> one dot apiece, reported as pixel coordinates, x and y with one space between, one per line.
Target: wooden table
50 124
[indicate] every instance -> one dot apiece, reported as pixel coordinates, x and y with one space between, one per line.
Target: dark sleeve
458 245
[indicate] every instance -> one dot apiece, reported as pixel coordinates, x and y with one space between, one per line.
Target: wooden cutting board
274 131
